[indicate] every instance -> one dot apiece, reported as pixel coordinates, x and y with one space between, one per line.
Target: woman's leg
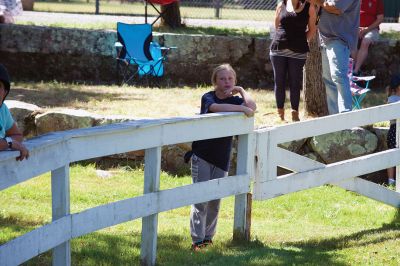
280 67
295 69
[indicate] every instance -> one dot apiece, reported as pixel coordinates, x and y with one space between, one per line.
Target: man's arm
328 6
374 25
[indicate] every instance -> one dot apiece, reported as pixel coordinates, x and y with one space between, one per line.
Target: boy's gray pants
203 216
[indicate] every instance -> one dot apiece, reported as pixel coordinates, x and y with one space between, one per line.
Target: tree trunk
314 88
172 15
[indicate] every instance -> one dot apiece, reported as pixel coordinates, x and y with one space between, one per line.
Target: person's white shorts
373 35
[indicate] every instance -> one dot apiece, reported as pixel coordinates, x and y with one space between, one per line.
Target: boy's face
225 80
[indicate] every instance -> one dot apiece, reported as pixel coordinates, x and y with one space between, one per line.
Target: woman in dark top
294 28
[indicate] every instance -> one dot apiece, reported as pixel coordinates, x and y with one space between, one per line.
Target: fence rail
258 155
308 173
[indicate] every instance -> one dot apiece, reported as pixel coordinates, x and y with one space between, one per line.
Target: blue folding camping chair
137 54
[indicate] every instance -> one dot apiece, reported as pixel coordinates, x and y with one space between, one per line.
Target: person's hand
232 91
24 153
362 32
248 111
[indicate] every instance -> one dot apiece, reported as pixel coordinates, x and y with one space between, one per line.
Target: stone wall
49 53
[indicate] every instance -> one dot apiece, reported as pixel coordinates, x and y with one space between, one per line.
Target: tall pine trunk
172 15
314 88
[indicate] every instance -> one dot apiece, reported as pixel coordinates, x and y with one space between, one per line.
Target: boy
210 159
10 136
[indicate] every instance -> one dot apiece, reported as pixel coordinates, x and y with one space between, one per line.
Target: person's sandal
196 247
207 242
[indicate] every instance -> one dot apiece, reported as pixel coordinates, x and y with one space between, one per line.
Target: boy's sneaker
196 247
207 242
391 182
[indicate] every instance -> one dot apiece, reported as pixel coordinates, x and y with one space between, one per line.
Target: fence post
61 207
217 5
97 7
242 216
265 166
152 166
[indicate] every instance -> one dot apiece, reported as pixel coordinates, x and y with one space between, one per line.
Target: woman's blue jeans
335 64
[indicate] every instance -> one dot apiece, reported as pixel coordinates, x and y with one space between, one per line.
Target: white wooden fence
54 152
308 173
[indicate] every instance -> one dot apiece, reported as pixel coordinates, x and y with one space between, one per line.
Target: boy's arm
225 107
248 101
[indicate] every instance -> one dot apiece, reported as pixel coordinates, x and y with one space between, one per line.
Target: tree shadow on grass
102 248
67 96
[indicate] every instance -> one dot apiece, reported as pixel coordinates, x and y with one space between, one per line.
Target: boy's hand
24 153
248 111
234 90
237 89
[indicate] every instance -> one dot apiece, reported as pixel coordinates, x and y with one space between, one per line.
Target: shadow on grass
388 231
106 249
65 96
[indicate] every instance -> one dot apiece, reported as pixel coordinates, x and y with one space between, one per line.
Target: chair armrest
366 78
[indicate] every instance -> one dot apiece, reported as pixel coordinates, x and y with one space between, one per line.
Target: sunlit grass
139 102
325 224
137 8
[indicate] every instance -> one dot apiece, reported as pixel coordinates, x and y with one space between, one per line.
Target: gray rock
24 115
381 133
293 146
343 145
61 120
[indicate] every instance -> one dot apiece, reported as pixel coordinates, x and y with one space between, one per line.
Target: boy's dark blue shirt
215 151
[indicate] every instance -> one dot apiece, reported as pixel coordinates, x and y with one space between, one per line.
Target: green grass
183 30
155 102
394 35
323 225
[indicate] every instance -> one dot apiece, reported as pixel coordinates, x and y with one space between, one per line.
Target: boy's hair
219 68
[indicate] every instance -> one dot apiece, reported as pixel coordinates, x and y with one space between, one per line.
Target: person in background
338 30
371 16
393 96
10 136
210 158
9 9
294 27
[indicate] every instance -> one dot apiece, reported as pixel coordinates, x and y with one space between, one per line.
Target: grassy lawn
137 8
323 225
147 102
